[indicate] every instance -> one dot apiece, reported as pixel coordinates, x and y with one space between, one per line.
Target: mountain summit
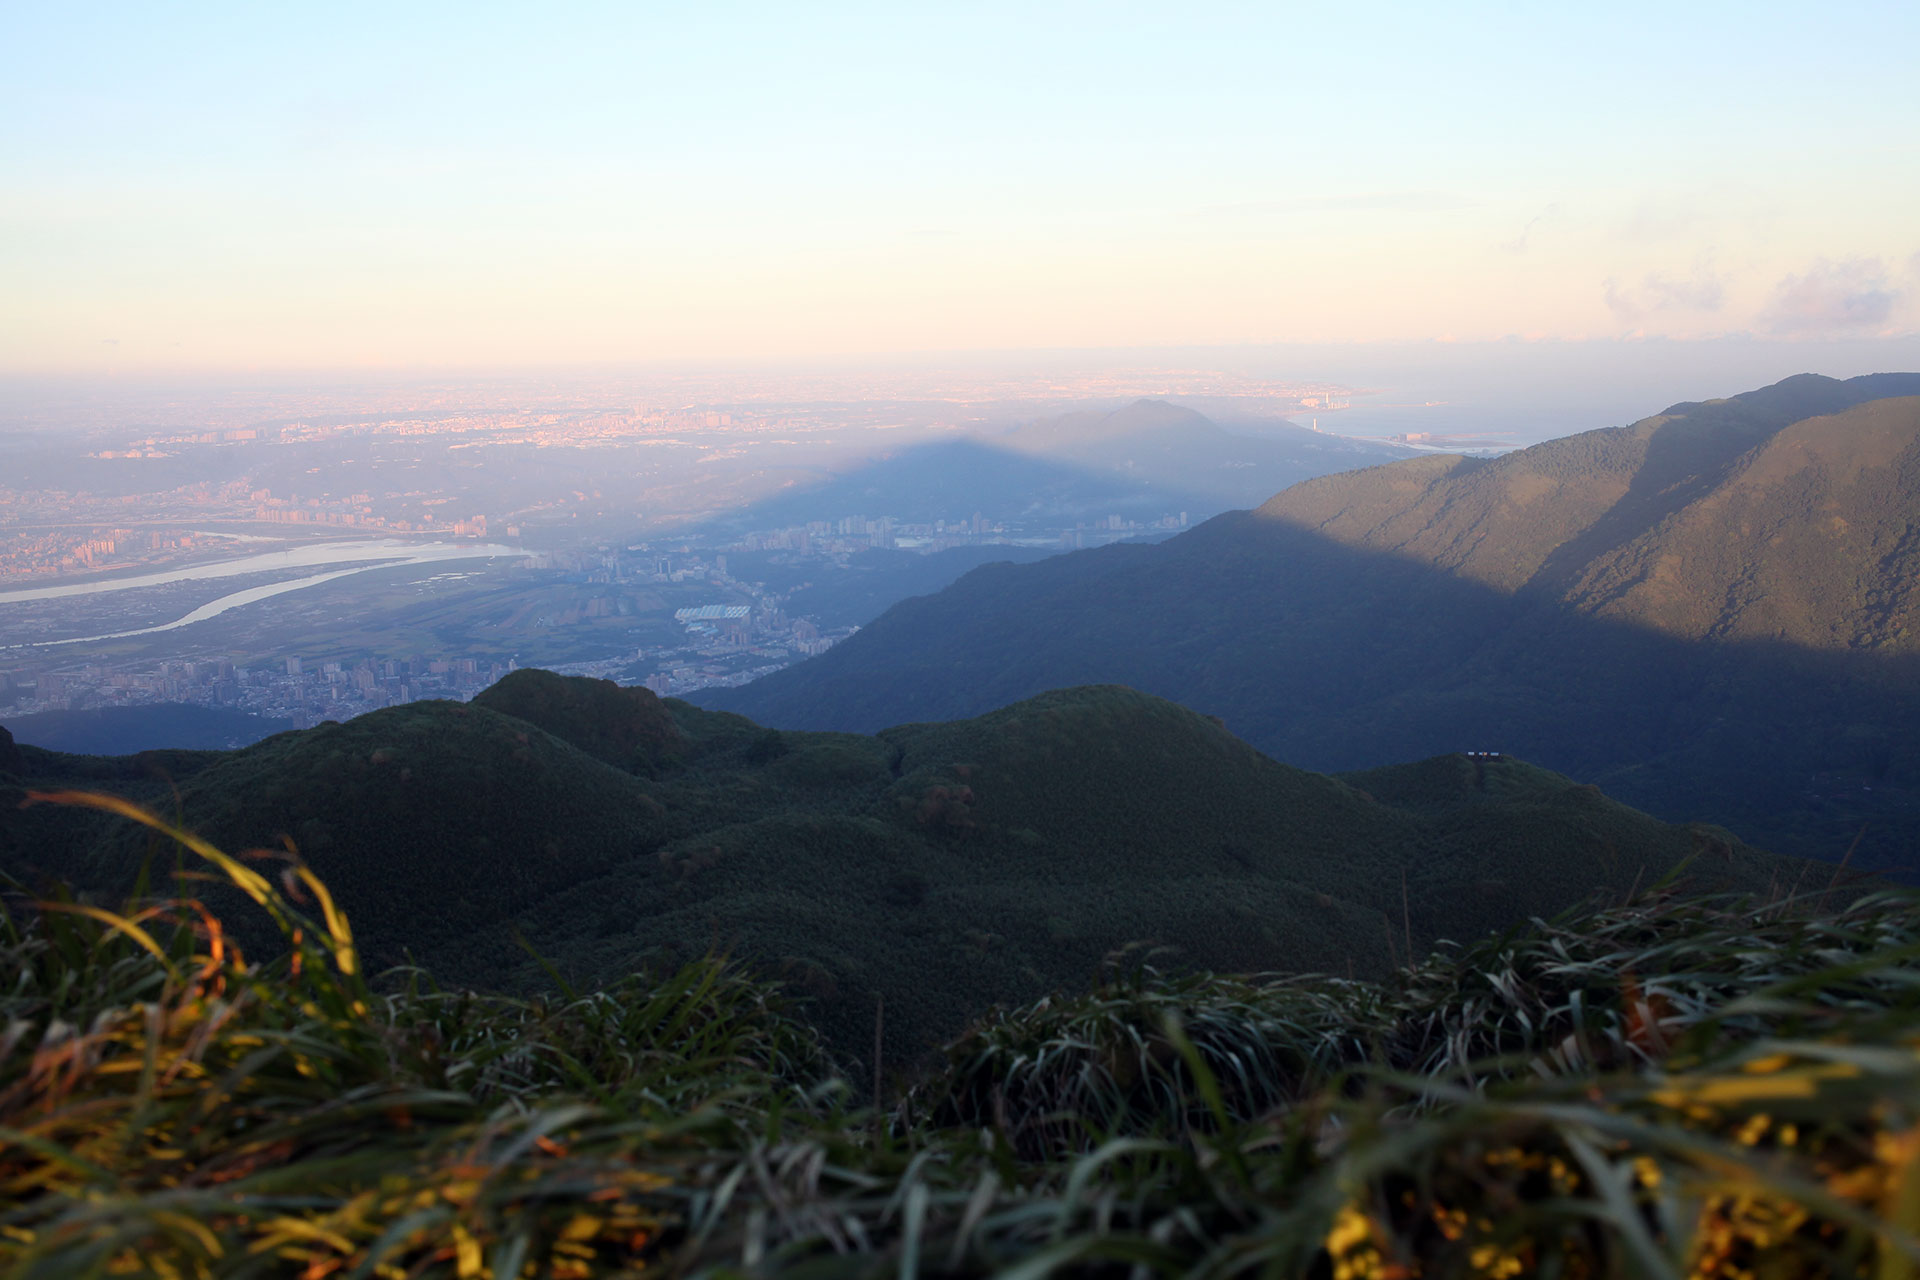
1095 428
1172 448
1734 518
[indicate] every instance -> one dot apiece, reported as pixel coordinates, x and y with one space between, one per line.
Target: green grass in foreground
1673 1087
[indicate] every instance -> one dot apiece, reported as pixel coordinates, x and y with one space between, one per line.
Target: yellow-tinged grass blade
117 923
337 928
245 878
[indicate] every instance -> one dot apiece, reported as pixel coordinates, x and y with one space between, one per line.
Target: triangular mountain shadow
1147 459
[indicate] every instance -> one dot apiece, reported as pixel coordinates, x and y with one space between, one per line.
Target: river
361 556
314 556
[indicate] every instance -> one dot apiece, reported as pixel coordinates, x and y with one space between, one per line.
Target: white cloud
1625 306
1703 290
1852 296
1519 243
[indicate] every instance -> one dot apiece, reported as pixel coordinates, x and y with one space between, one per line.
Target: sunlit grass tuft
168 1103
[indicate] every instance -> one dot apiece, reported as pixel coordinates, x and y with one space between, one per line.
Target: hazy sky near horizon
271 186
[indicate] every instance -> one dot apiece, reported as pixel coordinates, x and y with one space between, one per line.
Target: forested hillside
940 866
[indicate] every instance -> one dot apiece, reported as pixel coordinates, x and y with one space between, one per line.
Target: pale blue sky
213 186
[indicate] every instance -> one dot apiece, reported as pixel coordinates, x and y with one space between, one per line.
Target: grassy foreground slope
938 867
1712 613
1673 1086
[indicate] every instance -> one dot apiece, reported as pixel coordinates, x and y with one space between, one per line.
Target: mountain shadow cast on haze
1147 460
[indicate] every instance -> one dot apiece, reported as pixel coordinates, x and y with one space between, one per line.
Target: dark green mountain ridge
1714 612
941 866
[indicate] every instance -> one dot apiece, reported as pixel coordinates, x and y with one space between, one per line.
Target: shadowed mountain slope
1711 613
942 866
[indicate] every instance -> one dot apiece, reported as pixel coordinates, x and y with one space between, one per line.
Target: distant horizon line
931 358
